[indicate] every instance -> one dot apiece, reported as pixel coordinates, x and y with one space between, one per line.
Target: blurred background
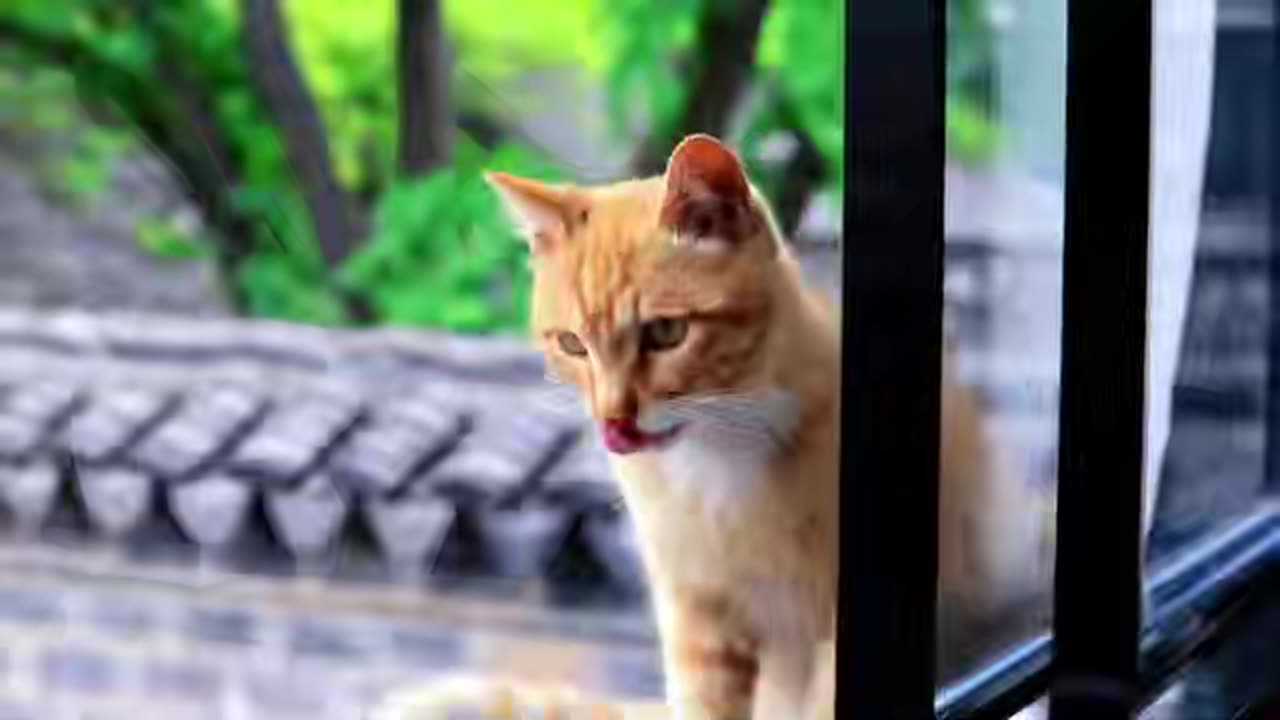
319 162
271 442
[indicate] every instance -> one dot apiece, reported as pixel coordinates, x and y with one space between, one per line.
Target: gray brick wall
75 646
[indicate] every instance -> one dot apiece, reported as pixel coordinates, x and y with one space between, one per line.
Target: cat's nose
620 406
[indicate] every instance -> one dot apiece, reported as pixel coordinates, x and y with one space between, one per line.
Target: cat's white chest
722 459
717 477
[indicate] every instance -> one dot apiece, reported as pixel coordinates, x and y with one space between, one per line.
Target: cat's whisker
557 402
748 424
555 380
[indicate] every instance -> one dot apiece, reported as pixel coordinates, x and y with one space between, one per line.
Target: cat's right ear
541 213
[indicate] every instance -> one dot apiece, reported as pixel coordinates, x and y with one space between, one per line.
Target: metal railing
1102 658
1193 600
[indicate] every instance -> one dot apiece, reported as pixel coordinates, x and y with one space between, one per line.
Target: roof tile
521 541
308 517
400 440
212 510
118 500
30 490
294 437
509 444
112 419
209 419
410 531
28 413
582 478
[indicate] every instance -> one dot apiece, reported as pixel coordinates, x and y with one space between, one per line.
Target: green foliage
496 39
347 54
277 285
164 238
643 75
34 97
971 135
972 130
86 169
802 52
38 108
146 67
800 60
440 251
443 253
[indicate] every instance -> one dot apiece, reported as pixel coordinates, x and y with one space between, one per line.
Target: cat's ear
542 213
708 198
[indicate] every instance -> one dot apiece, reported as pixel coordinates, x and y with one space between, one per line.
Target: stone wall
86 643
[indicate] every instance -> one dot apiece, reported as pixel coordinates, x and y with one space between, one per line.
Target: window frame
891 288
1103 656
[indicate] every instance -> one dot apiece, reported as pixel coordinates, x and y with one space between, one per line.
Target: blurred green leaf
164 239
443 253
440 251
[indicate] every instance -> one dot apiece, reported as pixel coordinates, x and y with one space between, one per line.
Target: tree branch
727 36
207 166
426 124
220 174
280 86
801 175
485 131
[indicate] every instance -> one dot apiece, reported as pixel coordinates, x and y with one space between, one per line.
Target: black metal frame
892 289
1273 319
1101 659
1102 414
1195 598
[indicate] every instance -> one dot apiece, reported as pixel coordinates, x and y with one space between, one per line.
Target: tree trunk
279 84
726 41
426 123
801 175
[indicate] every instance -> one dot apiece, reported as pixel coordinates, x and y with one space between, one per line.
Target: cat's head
654 297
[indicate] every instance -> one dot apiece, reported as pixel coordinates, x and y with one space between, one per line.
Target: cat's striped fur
675 308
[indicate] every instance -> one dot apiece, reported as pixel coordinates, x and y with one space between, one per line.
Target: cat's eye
571 344
663 333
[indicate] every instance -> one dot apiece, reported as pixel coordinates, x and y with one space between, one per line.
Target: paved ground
81 644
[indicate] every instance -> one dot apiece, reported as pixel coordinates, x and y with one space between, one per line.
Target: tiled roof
391 453
375 453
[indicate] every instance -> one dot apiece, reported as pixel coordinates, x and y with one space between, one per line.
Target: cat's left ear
542 213
708 199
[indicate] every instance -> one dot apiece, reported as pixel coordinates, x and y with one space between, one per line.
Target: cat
674 306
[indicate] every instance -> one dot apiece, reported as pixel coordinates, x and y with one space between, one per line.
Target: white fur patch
725 444
719 477
709 244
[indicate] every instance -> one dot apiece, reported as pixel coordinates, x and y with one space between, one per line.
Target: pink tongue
622 436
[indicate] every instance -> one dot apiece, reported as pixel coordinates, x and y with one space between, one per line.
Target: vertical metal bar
892 290
1098 578
1271 481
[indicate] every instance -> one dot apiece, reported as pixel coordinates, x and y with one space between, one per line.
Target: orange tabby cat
676 309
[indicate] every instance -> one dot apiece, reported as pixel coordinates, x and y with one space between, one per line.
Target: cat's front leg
711 661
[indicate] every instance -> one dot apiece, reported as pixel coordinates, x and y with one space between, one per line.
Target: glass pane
1212 303
1003 288
1212 228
